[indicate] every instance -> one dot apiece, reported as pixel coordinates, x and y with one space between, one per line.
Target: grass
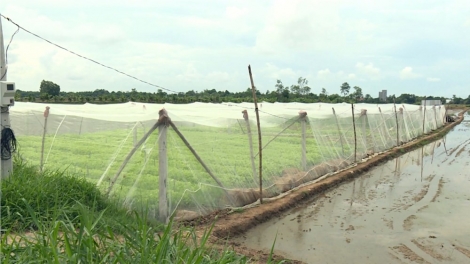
53 217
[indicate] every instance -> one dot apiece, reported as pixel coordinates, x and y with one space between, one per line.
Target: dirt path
358 205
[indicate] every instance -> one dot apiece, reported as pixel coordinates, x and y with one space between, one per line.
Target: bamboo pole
250 141
163 207
405 125
435 117
363 129
424 118
396 119
355 136
385 127
259 137
303 120
339 130
46 115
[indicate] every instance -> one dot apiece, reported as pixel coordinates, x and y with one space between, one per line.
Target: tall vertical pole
363 129
303 121
424 117
6 165
396 120
250 141
163 170
405 126
46 115
385 127
355 136
259 138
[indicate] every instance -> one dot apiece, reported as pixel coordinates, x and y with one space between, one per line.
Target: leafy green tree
357 93
50 88
345 89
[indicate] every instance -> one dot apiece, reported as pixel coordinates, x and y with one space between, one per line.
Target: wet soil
410 209
236 228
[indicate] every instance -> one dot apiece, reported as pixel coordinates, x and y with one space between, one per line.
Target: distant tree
357 93
345 89
50 88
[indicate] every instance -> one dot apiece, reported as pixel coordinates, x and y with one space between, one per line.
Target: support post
339 130
405 125
6 165
259 138
250 141
163 172
444 121
385 127
435 117
355 136
424 115
303 121
396 120
46 115
363 129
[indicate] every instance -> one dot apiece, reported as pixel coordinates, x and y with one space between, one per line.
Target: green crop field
97 156
225 151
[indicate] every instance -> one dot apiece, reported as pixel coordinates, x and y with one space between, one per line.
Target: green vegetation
55 217
299 92
224 150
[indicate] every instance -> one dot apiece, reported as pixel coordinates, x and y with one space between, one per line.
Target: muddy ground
411 209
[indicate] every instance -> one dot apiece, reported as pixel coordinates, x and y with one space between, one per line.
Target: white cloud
324 73
369 70
407 73
432 79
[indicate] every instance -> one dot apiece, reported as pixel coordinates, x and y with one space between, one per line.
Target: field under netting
207 157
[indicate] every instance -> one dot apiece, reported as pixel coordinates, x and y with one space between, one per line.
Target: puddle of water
413 208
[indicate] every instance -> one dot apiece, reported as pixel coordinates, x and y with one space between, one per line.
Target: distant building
431 102
383 95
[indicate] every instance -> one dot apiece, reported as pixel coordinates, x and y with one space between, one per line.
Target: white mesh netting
215 163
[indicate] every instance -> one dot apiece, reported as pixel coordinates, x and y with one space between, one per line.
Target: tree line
49 92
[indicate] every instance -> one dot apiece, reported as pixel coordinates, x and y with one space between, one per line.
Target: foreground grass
53 217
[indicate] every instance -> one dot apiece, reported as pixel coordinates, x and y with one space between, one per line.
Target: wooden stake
396 119
385 128
355 136
46 115
163 173
364 137
250 141
424 118
259 138
303 121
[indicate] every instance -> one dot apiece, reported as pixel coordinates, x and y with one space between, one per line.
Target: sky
420 46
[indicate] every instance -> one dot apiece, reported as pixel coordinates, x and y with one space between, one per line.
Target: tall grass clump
54 217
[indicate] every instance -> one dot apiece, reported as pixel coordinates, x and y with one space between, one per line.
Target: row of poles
164 122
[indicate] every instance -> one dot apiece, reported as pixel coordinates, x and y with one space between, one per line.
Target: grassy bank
55 217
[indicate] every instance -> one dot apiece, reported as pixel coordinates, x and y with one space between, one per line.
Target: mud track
230 223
